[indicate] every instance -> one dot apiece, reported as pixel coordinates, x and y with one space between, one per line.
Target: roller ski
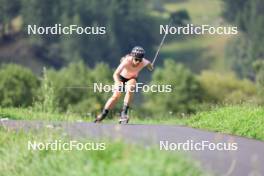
101 116
124 118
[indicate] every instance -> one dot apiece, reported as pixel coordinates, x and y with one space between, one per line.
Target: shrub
186 90
226 87
45 101
18 86
73 87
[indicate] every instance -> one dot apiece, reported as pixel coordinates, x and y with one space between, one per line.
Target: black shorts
124 80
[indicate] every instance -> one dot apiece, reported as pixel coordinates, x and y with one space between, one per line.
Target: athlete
125 78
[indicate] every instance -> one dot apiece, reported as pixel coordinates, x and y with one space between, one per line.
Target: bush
45 101
226 88
73 87
18 86
186 90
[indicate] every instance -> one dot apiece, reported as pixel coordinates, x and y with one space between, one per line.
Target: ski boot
124 118
99 118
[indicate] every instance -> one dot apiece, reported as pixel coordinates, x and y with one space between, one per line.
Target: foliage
259 69
226 88
244 51
18 86
186 91
180 17
73 87
127 24
238 56
45 101
8 10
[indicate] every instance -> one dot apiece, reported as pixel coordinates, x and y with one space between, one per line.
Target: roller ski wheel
124 119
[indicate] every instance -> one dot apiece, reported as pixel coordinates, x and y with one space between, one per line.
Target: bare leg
112 100
130 92
109 105
127 100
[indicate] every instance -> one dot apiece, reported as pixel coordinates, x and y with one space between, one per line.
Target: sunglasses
138 59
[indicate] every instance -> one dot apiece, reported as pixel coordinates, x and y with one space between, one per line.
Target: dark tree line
248 15
128 23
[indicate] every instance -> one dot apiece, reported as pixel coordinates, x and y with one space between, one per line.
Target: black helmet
138 52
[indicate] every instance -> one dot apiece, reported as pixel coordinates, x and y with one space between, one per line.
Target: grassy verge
29 114
245 121
242 120
118 159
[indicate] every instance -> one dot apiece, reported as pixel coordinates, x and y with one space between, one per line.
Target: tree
127 24
44 13
259 69
18 86
8 10
248 15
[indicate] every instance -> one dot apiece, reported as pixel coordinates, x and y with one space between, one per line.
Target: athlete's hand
150 67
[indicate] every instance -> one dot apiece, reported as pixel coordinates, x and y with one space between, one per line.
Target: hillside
19 50
197 52
204 51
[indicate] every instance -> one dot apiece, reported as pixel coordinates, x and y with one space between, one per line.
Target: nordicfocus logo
67 146
190 145
139 87
59 29
191 29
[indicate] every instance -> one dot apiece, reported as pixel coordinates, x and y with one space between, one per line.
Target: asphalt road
247 160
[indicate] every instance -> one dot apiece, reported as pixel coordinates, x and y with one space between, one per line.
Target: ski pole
160 45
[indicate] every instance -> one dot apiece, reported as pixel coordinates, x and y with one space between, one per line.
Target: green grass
200 11
241 120
198 52
245 121
118 159
30 114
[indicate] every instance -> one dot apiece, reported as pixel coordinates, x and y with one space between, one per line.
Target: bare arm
117 72
115 76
